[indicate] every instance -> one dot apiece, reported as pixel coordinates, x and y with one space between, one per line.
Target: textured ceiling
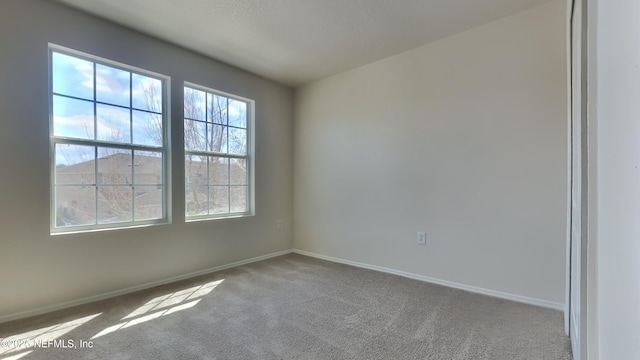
299 41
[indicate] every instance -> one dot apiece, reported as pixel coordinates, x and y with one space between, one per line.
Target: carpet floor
292 307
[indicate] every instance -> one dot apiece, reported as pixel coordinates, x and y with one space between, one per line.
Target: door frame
581 114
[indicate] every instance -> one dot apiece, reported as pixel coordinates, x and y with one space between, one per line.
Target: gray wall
464 138
38 270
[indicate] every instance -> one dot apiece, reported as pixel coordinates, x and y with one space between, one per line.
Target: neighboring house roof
77 204
116 168
221 170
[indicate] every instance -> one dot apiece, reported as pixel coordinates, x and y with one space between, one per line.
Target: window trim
165 148
250 156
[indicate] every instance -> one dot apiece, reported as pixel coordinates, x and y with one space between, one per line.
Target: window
217 148
108 143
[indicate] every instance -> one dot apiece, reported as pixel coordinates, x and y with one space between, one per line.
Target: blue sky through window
72 76
113 85
93 101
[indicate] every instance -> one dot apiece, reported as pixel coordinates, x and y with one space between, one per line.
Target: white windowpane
218 171
146 93
72 76
74 164
114 166
147 128
217 106
147 167
195 170
196 200
114 204
238 172
237 141
148 202
195 135
237 113
113 85
238 197
75 205
217 138
194 104
219 200
73 118
114 123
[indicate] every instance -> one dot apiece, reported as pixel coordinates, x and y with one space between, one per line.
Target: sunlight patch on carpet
163 305
39 337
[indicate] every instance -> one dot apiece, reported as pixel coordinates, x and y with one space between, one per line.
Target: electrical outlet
279 224
422 238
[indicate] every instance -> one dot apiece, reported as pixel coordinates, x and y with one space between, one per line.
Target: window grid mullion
209 153
95 183
95 149
225 126
83 142
95 106
229 185
133 164
133 186
109 104
130 108
208 187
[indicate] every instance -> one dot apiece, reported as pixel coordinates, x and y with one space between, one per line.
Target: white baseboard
89 299
474 289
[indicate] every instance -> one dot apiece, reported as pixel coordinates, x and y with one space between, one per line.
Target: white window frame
249 157
164 149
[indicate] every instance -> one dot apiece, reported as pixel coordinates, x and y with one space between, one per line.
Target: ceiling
299 41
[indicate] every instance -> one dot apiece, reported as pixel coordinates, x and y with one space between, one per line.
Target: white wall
38 270
618 177
464 138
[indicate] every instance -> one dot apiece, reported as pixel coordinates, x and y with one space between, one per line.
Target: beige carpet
293 307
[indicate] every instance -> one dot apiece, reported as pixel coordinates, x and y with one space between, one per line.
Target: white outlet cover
422 238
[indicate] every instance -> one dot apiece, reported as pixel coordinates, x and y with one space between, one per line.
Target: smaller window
217 129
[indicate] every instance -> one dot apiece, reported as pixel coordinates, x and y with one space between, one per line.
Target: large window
217 145
108 143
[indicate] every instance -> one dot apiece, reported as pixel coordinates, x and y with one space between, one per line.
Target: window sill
123 227
213 218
